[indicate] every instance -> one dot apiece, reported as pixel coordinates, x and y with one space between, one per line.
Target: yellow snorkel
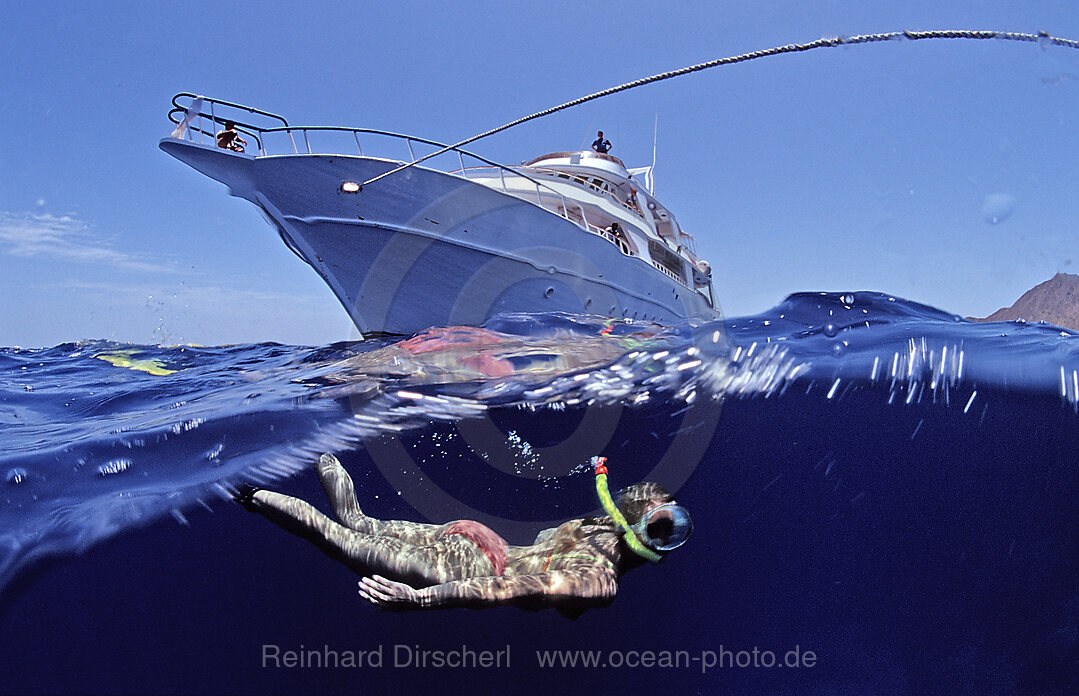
611 509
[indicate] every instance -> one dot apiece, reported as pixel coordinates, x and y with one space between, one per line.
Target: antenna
655 138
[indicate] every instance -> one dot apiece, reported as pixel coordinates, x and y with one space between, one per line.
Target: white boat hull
425 248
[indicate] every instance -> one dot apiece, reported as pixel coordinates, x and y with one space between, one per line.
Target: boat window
666 259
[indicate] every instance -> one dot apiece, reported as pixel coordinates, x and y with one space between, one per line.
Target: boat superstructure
455 239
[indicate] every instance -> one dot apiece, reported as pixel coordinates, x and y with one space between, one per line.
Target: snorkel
611 509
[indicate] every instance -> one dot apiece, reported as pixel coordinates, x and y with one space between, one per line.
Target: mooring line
1042 38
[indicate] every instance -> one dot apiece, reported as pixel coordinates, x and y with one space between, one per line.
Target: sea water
885 498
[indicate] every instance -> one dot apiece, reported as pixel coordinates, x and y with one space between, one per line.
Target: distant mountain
1055 301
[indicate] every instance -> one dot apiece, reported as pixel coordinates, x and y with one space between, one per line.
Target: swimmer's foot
245 495
341 492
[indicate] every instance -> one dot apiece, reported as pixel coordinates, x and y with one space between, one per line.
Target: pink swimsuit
492 545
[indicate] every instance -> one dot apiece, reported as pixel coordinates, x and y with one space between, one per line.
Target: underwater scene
883 500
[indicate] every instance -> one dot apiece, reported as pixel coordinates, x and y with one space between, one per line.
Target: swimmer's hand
389 594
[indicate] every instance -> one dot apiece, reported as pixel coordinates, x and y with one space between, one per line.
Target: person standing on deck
600 144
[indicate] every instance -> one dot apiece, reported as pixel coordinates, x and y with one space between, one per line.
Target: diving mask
664 528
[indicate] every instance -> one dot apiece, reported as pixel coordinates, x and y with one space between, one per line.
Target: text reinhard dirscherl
401 656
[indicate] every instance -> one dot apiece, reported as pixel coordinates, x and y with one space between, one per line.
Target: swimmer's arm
555 587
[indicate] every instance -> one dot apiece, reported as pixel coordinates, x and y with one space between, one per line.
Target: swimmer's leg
448 558
342 494
296 516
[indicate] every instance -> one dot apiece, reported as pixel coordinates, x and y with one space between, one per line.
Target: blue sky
860 168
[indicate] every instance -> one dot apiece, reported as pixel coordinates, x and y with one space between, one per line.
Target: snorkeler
465 564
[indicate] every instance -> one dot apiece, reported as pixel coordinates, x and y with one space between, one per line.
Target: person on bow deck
229 139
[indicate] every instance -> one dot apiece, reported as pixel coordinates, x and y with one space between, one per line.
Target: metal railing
584 181
583 155
196 125
622 244
669 272
487 172
179 114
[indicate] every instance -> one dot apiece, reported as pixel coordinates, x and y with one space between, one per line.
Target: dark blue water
881 484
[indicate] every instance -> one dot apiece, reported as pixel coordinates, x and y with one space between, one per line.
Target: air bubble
847 299
16 476
830 330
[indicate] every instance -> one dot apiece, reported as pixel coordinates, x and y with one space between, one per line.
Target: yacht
454 239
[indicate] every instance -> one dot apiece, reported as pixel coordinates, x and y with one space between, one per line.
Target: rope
827 42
